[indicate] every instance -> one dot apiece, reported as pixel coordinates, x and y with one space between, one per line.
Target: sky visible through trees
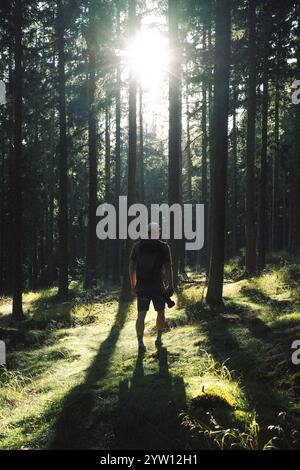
97 108
164 102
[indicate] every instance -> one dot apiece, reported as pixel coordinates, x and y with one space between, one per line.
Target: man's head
153 230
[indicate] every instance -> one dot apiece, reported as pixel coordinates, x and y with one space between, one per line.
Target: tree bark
50 196
219 150
91 268
141 148
63 158
2 207
295 238
263 206
116 264
250 229
204 193
174 172
188 150
210 134
275 172
17 309
131 189
234 199
107 182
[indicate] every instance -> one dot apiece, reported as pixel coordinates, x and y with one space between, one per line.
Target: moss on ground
74 379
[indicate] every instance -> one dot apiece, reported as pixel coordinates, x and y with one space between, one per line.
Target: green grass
224 379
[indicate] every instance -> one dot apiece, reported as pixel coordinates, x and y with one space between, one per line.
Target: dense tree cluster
73 134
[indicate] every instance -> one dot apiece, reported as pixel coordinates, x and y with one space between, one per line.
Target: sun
148 57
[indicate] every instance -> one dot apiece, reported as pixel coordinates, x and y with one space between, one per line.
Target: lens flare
148 57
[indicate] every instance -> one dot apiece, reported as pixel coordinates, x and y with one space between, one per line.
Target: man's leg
143 303
140 326
160 323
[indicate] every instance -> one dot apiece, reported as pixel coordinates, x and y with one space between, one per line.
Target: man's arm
132 275
169 276
169 272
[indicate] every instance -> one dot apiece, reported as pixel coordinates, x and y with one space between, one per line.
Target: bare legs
140 326
160 321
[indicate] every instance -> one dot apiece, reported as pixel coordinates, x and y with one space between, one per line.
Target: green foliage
224 380
249 436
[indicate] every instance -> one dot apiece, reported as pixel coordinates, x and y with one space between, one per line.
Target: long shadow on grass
149 405
261 297
228 341
79 424
40 325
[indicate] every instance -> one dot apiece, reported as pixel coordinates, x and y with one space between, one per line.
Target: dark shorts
143 301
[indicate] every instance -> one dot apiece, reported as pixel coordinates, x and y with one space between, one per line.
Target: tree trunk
275 172
116 243
107 183
184 255
295 238
234 198
50 225
2 208
204 194
11 157
188 150
174 176
131 189
42 255
34 260
17 309
91 268
250 229
141 148
51 188
63 158
219 150
210 135
263 206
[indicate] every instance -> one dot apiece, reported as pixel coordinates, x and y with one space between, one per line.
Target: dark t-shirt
149 257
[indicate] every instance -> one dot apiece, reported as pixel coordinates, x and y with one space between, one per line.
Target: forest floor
223 379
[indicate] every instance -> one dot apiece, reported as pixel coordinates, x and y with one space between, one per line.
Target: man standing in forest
150 259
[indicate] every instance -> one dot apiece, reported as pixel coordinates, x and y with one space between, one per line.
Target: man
149 260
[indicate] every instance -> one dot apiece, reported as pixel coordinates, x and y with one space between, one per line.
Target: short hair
153 230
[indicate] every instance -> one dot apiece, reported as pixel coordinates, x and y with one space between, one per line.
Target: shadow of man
80 423
149 408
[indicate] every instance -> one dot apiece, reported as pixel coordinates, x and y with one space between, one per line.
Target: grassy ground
224 379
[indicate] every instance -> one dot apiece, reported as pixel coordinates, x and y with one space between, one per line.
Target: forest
165 102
